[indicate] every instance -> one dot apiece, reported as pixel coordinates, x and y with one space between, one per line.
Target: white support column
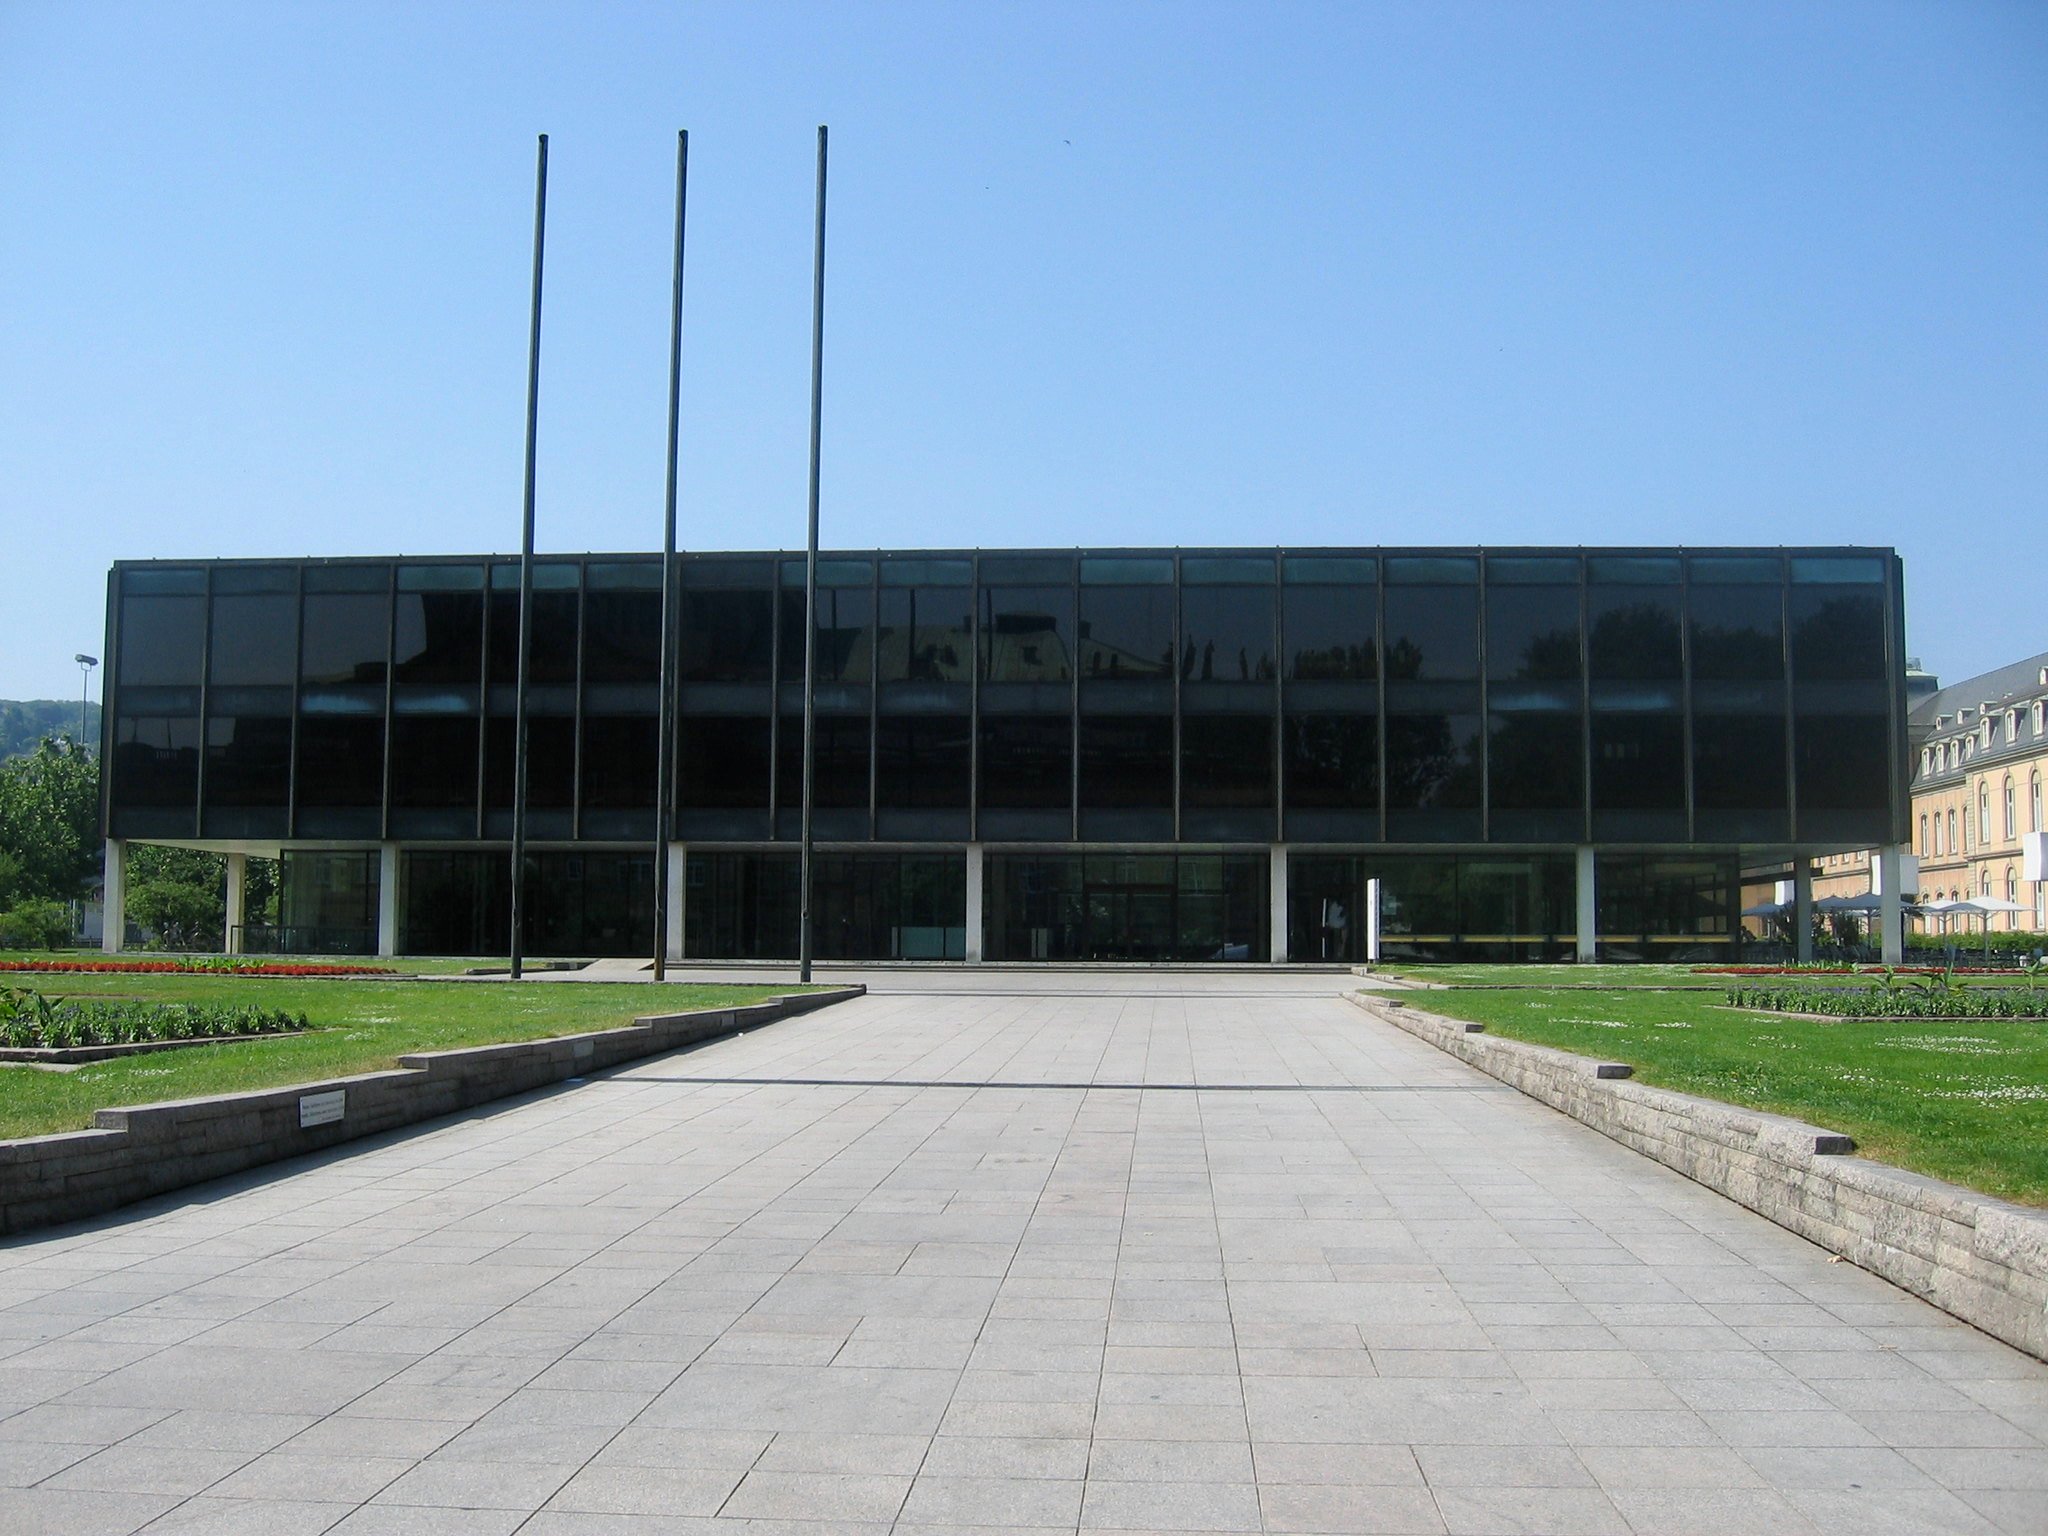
975 867
1279 887
114 898
1802 908
1891 915
1372 922
1589 905
387 899
238 876
678 854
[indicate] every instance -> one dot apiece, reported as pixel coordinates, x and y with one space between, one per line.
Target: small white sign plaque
322 1108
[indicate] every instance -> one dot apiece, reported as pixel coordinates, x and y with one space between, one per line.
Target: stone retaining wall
149 1149
1981 1259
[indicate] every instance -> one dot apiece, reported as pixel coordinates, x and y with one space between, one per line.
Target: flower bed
30 1021
220 967
1887 1001
1846 970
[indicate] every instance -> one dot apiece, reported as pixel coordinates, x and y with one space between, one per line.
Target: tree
49 820
179 894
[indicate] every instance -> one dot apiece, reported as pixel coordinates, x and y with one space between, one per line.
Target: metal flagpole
666 753
540 224
811 568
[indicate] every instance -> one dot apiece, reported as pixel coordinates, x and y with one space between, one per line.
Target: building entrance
1127 906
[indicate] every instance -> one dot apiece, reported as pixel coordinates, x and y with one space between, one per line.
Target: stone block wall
1983 1260
149 1149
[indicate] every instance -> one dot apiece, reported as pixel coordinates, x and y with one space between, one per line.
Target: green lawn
1961 1100
1552 975
404 965
1610 976
358 1026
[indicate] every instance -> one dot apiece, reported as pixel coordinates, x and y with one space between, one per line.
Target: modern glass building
1024 755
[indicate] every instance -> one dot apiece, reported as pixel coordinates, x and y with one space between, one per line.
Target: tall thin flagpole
666 754
811 567
540 226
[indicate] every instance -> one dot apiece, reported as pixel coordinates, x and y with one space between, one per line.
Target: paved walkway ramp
1021 1255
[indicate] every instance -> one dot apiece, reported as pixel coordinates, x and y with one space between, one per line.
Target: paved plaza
1116 1252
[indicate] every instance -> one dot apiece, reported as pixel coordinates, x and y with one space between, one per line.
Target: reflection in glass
1027 762
1536 763
1738 633
1226 762
439 637
1843 762
619 762
162 641
1227 634
1532 633
1739 763
1126 632
434 762
1432 633
723 763
1638 762
341 761
255 639
1632 633
1333 762
1027 634
1330 633
248 761
622 637
551 659
926 635
1838 634
727 636
846 635
922 762
347 638
156 761
550 762
1433 762
1127 762
839 763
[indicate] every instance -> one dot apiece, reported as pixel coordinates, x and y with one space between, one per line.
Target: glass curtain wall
1126 906
743 905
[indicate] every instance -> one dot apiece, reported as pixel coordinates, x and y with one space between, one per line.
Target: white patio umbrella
1869 901
1767 909
1978 906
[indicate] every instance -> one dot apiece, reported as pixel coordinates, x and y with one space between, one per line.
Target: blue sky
1099 274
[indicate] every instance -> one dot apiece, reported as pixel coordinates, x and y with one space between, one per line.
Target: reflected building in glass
1024 755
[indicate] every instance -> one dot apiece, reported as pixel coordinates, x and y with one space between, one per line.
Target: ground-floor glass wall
459 902
1127 906
745 905
1467 906
327 905
1655 906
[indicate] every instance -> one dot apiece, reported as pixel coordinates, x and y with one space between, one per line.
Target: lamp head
86 661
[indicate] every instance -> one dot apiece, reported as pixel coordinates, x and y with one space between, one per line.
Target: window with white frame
2011 819
1924 849
1983 814
1951 829
2040 718
2034 794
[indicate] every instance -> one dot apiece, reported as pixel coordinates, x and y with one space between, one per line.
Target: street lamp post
85 665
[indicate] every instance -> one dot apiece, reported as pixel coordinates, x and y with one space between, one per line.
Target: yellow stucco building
1980 825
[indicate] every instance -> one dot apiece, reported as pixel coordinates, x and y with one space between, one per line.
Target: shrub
1931 997
34 925
29 1019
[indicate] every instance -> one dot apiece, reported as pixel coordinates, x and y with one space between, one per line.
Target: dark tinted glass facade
1187 703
